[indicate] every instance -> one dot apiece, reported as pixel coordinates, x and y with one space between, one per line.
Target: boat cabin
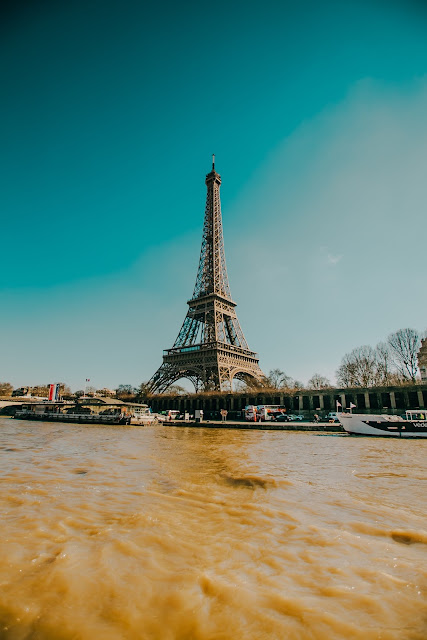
87 406
416 416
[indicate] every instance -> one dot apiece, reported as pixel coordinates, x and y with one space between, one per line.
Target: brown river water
177 533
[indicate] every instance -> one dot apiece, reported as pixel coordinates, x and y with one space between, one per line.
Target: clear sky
109 113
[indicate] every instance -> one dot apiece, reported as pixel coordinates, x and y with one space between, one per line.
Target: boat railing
53 415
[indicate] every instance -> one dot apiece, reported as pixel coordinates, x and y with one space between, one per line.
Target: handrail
207 345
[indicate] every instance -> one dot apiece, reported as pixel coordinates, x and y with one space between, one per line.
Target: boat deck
263 426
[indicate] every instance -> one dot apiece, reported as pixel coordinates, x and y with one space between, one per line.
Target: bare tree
125 391
64 389
404 345
176 389
274 378
278 379
143 391
296 385
5 389
90 391
385 374
318 381
358 368
250 384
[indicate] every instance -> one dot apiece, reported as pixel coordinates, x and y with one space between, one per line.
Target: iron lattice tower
210 349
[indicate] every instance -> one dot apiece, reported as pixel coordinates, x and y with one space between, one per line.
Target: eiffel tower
210 349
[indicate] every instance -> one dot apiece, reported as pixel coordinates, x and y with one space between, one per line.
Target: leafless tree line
393 362
279 380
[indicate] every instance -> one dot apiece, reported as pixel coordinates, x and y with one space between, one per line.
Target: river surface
176 533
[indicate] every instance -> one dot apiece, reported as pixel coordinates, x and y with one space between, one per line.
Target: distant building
105 393
422 360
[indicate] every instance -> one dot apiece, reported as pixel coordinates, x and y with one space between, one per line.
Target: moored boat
69 412
412 425
93 410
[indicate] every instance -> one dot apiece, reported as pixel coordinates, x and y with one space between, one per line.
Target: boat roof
83 402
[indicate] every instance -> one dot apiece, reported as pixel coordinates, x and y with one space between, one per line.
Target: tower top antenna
213 162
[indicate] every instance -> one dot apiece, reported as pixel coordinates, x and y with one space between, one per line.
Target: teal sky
109 114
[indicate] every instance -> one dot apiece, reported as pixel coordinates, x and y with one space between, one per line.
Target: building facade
422 360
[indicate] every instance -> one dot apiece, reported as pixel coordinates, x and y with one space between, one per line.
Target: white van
263 412
171 414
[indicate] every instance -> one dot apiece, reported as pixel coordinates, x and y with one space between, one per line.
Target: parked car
281 417
296 417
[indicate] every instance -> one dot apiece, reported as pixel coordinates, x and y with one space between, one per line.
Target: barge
87 410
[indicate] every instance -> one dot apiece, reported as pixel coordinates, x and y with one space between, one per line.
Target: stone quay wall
392 400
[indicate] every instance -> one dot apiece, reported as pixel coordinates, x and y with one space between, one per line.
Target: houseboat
86 410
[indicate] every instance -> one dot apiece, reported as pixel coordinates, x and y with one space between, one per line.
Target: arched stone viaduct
372 400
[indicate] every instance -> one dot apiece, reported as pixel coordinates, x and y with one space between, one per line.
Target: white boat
412 425
142 414
59 411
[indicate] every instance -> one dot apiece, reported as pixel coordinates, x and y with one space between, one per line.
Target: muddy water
162 533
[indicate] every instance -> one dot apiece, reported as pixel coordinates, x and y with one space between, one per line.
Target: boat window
416 415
